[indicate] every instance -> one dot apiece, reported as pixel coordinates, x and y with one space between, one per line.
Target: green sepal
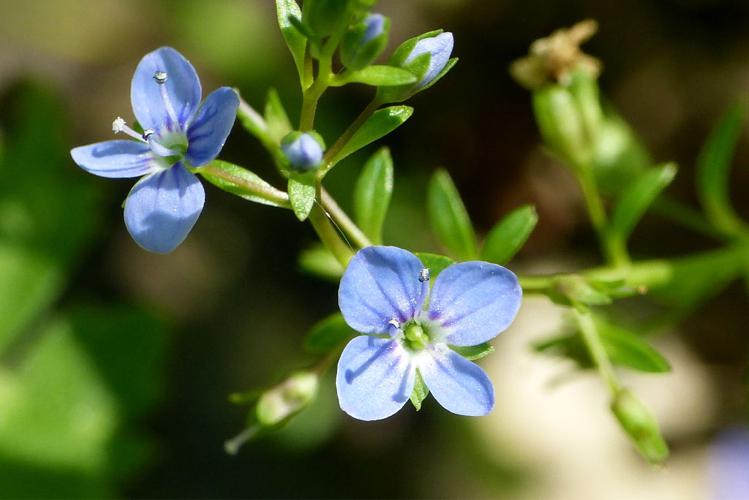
379 75
355 55
276 118
420 392
278 405
372 194
328 334
474 352
637 197
713 169
448 66
509 235
382 122
289 15
237 180
435 263
449 218
318 260
302 193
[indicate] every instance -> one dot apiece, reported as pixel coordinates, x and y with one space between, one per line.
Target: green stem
329 160
343 221
329 236
595 347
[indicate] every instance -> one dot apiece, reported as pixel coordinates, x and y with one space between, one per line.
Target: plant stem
343 221
329 236
597 351
329 160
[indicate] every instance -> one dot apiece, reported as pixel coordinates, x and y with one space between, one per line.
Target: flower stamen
160 77
120 125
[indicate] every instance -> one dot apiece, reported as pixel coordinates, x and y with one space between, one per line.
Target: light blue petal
474 301
440 47
303 151
381 284
162 208
182 86
459 385
375 378
209 129
114 159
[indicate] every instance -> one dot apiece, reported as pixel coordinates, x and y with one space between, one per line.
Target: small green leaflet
372 194
420 392
449 218
381 123
509 235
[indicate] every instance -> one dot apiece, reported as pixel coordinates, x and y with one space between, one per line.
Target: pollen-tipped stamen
160 77
120 125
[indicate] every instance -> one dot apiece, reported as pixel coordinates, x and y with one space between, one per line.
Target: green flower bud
364 41
323 17
642 427
287 399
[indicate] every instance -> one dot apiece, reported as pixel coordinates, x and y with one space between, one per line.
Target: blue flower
729 465
384 294
303 151
179 133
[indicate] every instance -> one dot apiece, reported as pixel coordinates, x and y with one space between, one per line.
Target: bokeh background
115 364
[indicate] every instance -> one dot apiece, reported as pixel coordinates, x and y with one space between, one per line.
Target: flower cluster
384 294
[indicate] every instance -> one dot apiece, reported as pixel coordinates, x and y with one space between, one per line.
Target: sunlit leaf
449 218
380 124
509 235
372 194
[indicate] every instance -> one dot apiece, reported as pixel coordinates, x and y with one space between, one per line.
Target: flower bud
364 41
303 150
287 399
426 56
642 427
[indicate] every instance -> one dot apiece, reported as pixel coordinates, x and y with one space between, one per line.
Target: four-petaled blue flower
179 133
384 294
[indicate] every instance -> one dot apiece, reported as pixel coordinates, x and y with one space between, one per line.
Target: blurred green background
115 364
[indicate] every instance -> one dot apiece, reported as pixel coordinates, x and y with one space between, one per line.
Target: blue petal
459 385
381 284
474 301
375 378
162 208
440 47
114 159
182 86
211 126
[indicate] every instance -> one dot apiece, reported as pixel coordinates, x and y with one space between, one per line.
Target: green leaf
381 123
473 352
276 117
449 218
713 168
636 199
573 289
295 40
319 261
243 183
382 75
509 235
434 262
420 392
372 194
302 195
328 334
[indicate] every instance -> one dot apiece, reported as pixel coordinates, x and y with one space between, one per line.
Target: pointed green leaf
713 168
636 199
509 235
243 183
382 75
288 11
434 262
420 392
372 194
328 334
276 118
474 352
380 124
302 196
449 218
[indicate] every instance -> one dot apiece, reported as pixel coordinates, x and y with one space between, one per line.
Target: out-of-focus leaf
302 195
372 194
573 289
636 199
328 334
509 235
295 40
434 262
243 183
319 261
420 392
276 118
473 352
381 123
713 168
449 218
382 76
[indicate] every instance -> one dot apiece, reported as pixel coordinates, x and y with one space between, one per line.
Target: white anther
160 77
120 125
424 275
394 323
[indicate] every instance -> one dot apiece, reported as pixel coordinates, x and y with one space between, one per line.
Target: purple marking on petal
114 159
208 131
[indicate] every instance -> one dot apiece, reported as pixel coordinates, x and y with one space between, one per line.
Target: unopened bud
303 150
641 426
287 399
364 41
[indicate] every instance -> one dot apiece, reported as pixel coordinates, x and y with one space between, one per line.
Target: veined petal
459 385
209 129
375 378
162 208
439 47
182 87
381 284
473 302
114 159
